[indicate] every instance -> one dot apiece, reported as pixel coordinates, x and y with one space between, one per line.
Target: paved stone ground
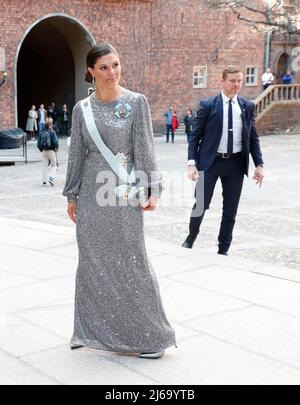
268 223
236 321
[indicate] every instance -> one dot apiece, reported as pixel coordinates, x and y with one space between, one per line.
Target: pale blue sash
126 190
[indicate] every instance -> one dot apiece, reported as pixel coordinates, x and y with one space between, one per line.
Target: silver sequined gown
117 301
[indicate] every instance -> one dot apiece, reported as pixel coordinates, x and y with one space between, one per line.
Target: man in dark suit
223 136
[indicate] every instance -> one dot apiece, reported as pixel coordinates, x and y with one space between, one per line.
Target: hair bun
88 77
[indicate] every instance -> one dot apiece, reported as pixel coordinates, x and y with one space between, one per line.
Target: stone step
179 131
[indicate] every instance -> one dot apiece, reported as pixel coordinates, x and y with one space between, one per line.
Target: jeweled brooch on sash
122 111
122 157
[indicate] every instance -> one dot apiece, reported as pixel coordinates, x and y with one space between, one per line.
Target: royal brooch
127 193
122 111
122 157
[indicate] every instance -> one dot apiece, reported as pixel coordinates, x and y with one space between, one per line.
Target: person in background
287 78
31 124
267 79
188 122
169 123
42 116
53 113
175 124
64 120
48 145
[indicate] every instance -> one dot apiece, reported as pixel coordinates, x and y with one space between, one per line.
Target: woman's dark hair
97 52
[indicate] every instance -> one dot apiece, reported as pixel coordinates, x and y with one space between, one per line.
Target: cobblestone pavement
268 222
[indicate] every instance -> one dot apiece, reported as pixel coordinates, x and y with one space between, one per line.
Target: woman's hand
72 211
152 203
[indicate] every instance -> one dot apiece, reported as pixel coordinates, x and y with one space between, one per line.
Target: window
199 77
251 75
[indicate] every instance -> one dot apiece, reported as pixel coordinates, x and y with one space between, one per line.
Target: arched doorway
50 64
282 66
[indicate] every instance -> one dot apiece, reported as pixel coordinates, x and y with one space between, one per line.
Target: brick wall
159 42
188 35
126 24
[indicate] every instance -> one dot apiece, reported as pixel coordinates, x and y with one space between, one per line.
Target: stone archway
282 65
50 64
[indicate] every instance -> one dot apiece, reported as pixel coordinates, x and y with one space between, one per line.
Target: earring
94 79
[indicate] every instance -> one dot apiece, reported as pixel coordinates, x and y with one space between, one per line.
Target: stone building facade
172 50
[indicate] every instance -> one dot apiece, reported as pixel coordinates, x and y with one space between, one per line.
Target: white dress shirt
267 78
237 127
42 116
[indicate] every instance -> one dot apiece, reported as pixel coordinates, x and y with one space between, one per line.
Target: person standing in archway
42 116
287 78
117 301
64 120
53 113
31 124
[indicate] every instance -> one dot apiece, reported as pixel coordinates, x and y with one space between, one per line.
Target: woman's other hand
152 203
72 211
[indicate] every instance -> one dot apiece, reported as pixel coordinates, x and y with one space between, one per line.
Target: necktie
230 129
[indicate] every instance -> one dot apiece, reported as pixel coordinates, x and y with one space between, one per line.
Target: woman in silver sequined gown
117 301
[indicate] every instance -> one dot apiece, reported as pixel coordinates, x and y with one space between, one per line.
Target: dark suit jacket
207 132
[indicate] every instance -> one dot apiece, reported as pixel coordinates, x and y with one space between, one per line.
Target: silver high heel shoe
155 355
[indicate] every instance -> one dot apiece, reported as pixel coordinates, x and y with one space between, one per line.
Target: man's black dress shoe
188 243
221 252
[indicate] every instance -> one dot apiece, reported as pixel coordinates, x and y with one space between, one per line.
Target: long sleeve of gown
145 161
77 155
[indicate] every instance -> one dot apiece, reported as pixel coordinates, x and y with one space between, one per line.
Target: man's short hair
230 70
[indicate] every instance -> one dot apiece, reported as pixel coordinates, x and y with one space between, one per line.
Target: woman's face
107 71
